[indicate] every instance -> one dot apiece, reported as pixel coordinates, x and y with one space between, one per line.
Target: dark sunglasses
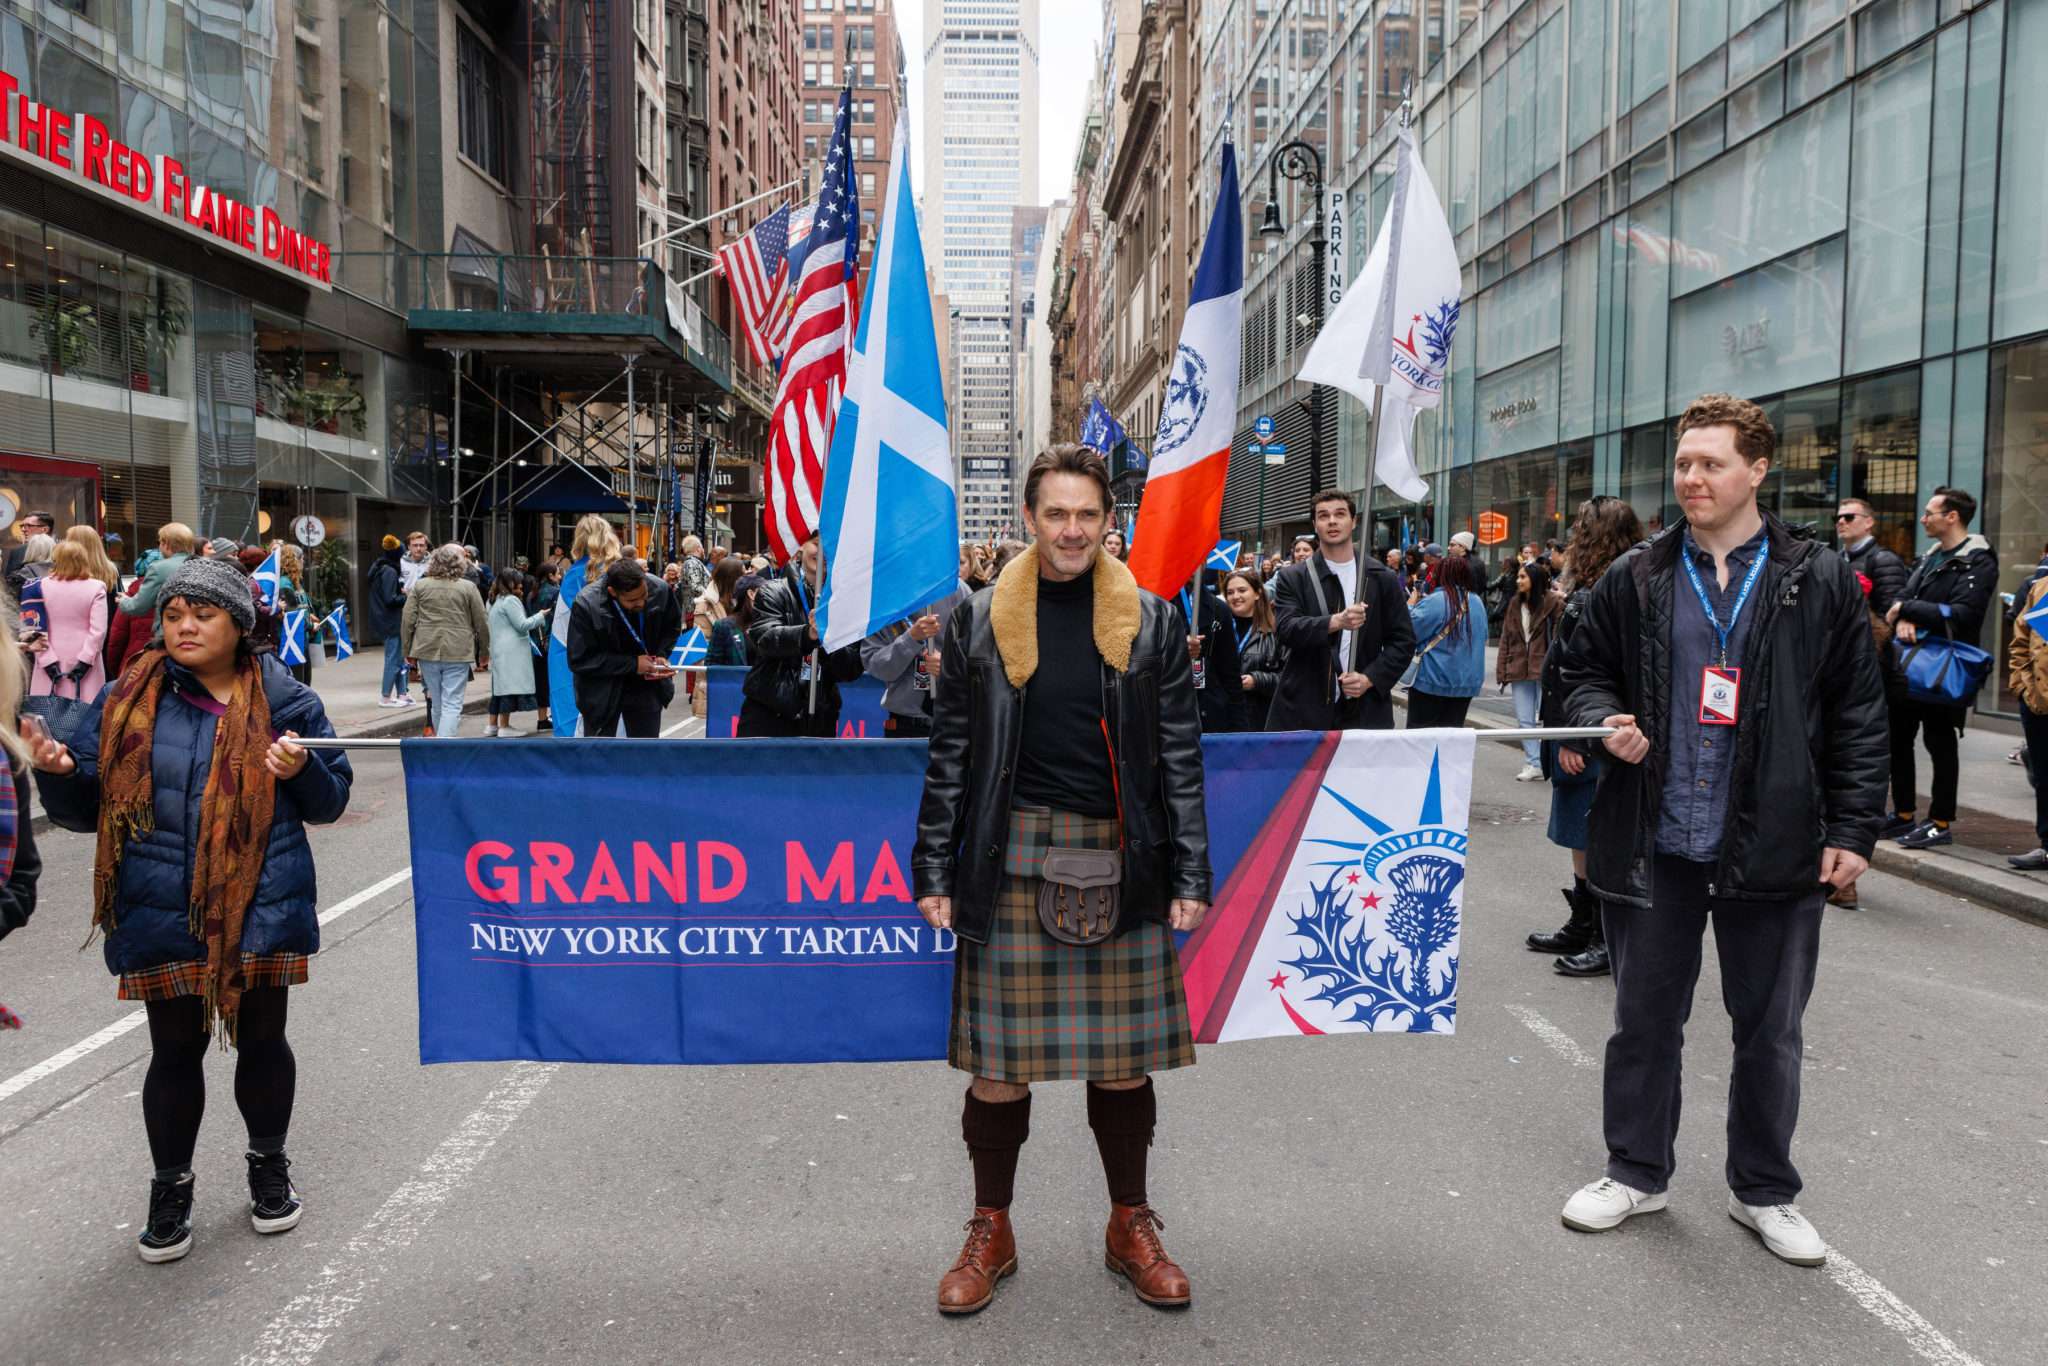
1847 516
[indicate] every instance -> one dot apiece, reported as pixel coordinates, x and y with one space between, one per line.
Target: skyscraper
980 161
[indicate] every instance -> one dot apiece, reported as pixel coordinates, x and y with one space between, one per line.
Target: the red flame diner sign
81 147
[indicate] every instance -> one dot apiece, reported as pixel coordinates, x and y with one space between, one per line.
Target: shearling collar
1013 614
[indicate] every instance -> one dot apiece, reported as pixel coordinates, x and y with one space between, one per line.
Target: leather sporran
1080 899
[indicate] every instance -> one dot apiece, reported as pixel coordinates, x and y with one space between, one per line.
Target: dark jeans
1768 952
1426 709
640 708
1938 726
757 722
2035 727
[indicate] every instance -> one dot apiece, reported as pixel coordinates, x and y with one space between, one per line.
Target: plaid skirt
1028 1008
167 981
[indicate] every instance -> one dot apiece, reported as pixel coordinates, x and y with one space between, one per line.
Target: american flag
753 265
814 358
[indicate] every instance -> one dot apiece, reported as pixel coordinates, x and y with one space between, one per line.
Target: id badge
1720 694
1201 668
803 673
922 679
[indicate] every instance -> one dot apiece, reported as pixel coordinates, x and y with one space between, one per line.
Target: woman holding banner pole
189 770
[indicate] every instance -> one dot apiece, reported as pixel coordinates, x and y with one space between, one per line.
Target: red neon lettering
710 890
550 873
326 262
97 148
8 87
174 186
648 869
273 233
507 878
245 226
604 880
885 882
806 885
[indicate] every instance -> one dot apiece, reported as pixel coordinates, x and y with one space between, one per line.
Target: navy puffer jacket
151 909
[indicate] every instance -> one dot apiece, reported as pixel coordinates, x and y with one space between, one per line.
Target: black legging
1938 726
174 1088
1427 709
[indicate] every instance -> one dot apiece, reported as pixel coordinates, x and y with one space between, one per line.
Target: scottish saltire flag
1100 429
889 519
291 637
1393 329
2037 617
268 576
690 649
1343 913
1182 509
344 647
562 683
1224 557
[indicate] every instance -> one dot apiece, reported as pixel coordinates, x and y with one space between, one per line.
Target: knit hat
218 582
390 541
224 547
1466 539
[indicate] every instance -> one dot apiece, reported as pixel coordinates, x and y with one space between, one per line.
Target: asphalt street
1347 1199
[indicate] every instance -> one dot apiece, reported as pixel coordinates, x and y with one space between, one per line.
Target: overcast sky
1069 31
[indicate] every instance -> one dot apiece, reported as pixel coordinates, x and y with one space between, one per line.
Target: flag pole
825 456
1379 346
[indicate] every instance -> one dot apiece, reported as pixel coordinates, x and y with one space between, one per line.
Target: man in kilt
1063 718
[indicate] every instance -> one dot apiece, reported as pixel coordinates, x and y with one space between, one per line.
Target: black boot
1592 962
1582 929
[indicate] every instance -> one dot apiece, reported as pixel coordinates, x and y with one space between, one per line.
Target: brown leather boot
1132 1249
989 1255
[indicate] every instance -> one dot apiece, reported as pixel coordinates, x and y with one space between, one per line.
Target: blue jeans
445 683
393 682
1528 715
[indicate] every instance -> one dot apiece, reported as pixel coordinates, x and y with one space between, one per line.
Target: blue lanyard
1187 609
803 595
1243 634
639 638
1756 569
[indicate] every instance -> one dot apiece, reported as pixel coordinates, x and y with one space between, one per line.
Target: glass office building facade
146 376
1835 209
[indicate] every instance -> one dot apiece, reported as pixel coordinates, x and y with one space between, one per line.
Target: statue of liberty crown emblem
1422 364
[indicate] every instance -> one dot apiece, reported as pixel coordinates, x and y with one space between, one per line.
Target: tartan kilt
167 981
1027 1008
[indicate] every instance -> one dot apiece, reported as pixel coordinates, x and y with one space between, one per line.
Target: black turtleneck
1063 758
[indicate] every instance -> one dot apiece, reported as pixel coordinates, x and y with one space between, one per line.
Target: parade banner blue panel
750 901
860 705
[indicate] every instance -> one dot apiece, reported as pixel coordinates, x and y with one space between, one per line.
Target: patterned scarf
234 814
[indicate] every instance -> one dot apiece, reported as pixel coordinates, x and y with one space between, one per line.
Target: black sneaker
1926 835
168 1234
1897 826
273 1200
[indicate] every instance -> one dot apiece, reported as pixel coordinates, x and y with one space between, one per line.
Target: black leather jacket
778 638
977 723
1812 761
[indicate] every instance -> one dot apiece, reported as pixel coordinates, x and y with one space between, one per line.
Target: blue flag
690 649
562 683
889 519
2037 617
267 576
1224 556
291 637
1100 429
338 619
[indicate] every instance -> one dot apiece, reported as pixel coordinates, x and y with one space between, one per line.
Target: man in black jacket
1065 744
783 646
1947 595
1213 656
621 630
1734 662
385 619
1345 627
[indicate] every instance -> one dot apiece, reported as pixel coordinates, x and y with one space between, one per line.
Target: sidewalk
1974 866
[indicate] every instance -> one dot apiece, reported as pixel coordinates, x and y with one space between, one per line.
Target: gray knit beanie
218 582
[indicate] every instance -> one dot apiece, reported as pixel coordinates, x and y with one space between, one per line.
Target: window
867 147
480 100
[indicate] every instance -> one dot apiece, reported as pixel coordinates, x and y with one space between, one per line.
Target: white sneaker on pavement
1785 1231
1529 774
1606 1203
389 702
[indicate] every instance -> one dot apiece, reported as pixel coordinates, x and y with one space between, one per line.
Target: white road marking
132 1021
1887 1308
1895 1314
1555 1039
306 1325
684 724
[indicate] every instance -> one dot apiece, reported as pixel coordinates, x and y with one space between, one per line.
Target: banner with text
751 902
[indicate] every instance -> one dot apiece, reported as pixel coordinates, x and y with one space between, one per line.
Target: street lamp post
1300 160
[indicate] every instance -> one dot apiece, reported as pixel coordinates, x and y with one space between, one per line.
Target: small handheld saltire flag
1224 557
2037 617
689 650
267 576
1179 518
889 518
338 619
1100 429
291 637
1393 329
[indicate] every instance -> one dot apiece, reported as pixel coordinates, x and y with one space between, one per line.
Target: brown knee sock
1122 1121
995 1131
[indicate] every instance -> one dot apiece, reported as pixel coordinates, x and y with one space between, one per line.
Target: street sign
1256 448
309 530
1274 448
1276 457
1263 425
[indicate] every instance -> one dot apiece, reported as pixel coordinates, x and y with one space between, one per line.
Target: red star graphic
1371 901
1277 980
1352 877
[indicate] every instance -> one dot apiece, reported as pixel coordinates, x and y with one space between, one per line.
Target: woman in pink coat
71 661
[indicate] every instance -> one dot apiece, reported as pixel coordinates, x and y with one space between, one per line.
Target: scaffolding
568 68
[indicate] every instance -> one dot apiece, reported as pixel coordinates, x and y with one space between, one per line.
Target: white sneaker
406 699
1606 1203
389 702
1785 1231
490 732
1529 774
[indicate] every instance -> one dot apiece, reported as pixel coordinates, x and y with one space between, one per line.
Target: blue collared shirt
1695 804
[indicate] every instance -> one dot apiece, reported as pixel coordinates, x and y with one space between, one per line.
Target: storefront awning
568 488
